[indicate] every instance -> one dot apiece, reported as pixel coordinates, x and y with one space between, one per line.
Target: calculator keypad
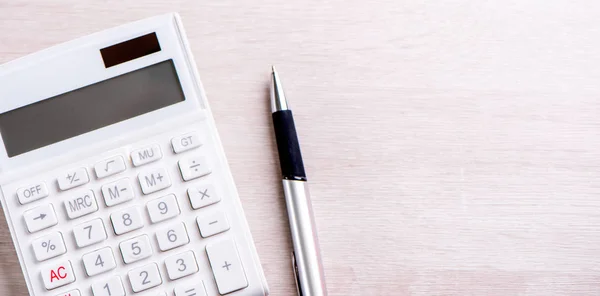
121 192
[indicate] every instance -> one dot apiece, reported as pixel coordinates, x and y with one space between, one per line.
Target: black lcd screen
89 108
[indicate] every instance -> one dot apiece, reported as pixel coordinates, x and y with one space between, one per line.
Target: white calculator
113 178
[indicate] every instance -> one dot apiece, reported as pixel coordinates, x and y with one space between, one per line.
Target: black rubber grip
290 157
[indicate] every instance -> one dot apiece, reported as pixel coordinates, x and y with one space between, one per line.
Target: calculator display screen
89 108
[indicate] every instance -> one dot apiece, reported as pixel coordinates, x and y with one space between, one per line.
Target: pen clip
296 275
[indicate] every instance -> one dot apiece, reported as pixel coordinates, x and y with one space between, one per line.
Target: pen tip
273 68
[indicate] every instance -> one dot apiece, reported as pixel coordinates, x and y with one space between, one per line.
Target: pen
306 257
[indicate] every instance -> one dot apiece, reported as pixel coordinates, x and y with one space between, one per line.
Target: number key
89 233
135 249
111 287
171 237
163 208
127 220
181 265
99 261
144 277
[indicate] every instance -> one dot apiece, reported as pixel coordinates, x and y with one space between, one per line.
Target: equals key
191 290
212 224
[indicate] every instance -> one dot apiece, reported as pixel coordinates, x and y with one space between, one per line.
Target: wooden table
452 147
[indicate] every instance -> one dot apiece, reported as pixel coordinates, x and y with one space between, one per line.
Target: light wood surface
452 146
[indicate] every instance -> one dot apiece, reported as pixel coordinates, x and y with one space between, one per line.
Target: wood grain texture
452 146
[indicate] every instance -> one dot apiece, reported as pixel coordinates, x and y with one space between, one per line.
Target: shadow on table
11 277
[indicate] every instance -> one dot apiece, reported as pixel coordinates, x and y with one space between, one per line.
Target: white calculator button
135 249
185 142
161 294
117 192
181 265
57 275
81 204
49 246
73 178
196 289
111 287
70 293
226 266
203 196
110 166
193 167
127 220
146 155
163 208
144 278
154 180
212 224
40 218
89 233
99 261
172 236
32 193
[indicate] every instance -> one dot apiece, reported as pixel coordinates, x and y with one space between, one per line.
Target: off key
58 275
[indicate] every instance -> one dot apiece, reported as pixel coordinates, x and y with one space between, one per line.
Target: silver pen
306 257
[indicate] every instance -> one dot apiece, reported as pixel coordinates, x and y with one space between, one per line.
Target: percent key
49 246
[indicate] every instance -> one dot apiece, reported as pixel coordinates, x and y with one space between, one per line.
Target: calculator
113 179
